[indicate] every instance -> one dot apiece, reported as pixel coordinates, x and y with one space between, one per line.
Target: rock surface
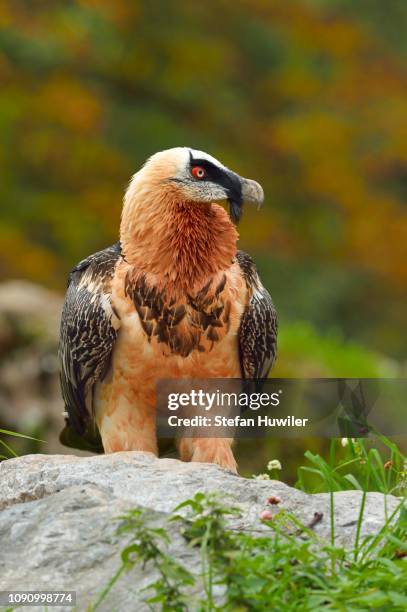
58 527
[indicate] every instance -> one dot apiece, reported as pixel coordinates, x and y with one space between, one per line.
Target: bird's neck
179 244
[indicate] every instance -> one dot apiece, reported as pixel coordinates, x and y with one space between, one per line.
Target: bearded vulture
173 298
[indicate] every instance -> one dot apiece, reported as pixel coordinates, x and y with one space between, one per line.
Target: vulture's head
189 176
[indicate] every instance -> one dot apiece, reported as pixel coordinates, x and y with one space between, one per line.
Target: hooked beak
249 191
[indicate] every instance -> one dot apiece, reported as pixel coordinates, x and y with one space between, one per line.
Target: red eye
198 172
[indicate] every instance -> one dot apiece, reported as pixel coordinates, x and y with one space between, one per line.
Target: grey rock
58 517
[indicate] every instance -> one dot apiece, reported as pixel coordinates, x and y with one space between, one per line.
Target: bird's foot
209 450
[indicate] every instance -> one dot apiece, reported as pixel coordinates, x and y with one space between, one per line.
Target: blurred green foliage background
308 97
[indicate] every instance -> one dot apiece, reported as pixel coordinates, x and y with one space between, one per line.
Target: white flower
274 465
261 477
345 441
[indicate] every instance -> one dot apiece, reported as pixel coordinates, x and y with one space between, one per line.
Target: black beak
243 190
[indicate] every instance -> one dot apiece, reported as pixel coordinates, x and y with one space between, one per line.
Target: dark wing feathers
88 333
258 327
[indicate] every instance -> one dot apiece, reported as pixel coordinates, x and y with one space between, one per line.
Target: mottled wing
89 327
258 327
